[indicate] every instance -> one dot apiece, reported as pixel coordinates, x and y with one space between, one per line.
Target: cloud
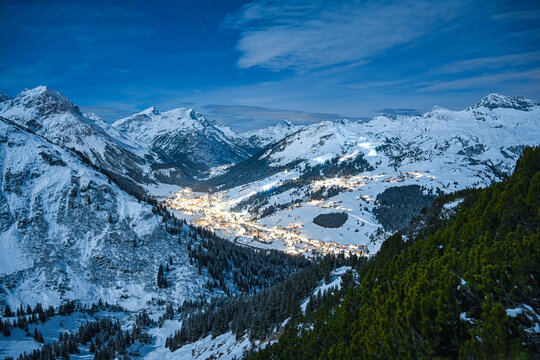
493 62
484 81
518 15
304 35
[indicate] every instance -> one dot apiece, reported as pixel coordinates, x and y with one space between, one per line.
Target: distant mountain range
482 141
440 151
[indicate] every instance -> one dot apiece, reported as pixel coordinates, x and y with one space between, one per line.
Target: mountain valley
172 224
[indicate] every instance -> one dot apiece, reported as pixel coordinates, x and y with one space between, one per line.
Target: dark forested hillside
465 290
398 205
258 315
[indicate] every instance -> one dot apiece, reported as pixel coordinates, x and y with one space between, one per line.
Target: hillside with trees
466 289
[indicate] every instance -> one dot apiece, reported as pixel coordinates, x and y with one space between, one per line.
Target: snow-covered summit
263 137
54 116
183 134
150 110
38 102
494 101
316 143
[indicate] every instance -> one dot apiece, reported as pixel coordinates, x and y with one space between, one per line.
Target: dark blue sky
321 59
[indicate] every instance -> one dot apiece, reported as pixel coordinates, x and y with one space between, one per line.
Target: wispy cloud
484 81
400 111
493 62
304 35
519 15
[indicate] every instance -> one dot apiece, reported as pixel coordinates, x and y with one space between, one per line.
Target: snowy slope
66 232
261 138
54 116
317 143
185 136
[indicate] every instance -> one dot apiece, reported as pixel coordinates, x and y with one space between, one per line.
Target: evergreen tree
161 280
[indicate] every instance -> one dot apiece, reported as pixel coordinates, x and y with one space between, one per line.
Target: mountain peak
437 108
43 90
285 124
45 100
151 110
494 101
184 135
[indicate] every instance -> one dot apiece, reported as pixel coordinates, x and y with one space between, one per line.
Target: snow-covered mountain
343 166
67 232
263 137
52 115
184 136
483 140
495 101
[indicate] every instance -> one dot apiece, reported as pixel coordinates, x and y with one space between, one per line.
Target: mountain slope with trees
465 289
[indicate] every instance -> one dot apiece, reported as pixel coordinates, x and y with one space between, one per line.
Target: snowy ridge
486 138
316 143
494 101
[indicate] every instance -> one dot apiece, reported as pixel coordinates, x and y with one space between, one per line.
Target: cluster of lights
347 182
407 175
212 211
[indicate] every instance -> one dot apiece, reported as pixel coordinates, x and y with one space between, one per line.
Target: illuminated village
212 211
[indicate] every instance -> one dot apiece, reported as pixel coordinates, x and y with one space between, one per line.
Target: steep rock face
66 232
186 137
261 138
52 115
